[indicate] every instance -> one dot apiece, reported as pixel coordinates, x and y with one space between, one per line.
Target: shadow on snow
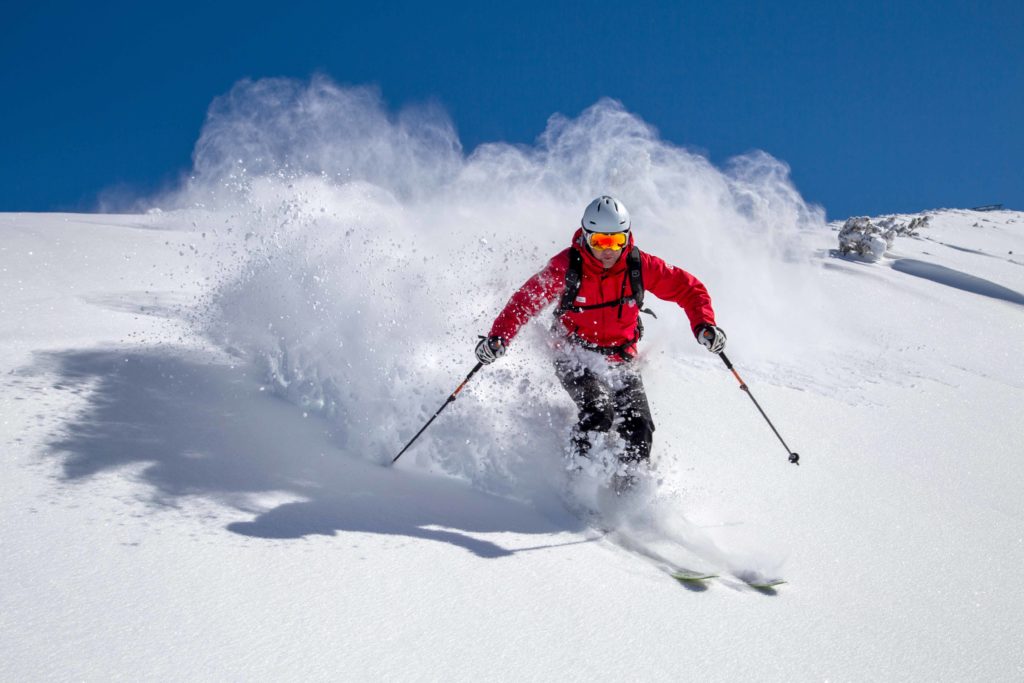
957 280
206 430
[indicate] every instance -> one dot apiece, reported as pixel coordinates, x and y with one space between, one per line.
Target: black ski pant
603 403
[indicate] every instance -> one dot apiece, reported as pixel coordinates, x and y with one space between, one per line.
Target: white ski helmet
606 214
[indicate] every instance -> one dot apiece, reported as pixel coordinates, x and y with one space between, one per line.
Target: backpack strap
636 280
635 273
573 277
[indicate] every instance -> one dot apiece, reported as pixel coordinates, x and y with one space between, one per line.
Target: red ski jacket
612 326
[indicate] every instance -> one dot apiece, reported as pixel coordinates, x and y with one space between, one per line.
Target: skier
600 282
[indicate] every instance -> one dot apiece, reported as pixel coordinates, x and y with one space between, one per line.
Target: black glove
490 349
711 337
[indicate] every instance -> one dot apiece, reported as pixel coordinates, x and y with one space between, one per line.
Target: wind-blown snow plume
369 250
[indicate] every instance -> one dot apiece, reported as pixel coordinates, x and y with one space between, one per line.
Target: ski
691 577
759 582
687 576
764 585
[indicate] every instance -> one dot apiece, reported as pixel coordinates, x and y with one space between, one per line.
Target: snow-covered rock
870 239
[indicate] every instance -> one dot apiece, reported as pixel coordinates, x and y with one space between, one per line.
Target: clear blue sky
877 106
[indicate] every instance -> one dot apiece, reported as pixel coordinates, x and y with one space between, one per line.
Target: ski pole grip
725 359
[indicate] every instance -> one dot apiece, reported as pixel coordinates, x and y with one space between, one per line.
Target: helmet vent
606 214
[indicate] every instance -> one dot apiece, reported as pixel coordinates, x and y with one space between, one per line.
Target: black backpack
634 275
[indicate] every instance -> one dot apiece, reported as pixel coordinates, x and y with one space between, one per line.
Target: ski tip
765 585
692 577
759 580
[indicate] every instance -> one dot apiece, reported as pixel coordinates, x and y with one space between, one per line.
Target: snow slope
163 516
195 405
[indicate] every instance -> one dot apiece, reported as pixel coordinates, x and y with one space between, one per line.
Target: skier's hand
711 337
490 349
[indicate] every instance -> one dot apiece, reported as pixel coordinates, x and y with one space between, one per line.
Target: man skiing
600 281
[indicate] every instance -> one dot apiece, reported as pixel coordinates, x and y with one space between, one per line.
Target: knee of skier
598 419
638 433
638 423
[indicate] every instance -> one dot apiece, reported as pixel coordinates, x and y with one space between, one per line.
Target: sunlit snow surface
196 404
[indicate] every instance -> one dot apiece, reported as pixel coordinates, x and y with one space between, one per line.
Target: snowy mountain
166 515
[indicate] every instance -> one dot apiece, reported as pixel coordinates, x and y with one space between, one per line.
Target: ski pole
451 398
793 457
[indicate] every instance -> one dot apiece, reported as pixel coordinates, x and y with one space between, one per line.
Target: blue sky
877 107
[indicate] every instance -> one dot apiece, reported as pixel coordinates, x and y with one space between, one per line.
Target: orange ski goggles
607 240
